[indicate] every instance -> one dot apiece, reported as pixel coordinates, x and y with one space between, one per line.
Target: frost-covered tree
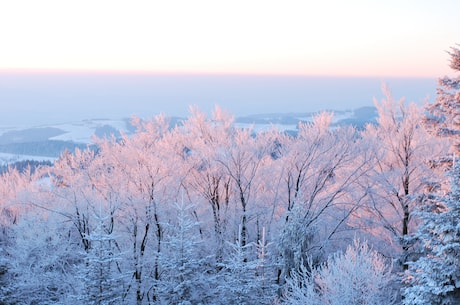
137 167
242 156
11 210
238 277
358 276
300 287
444 113
266 270
398 175
321 170
187 277
201 139
100 273
42 260
11 183
435 277
71 193
297 241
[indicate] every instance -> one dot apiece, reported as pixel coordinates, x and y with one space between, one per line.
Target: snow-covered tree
300 287
398 175
100 273
358 276
238 277
42 260
71 193
298 241
138 166
444 113
186 268
242 157
266 270
11 184
435 277
321 170
201 139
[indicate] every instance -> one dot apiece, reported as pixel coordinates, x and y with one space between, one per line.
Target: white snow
11 158
266 127
83 131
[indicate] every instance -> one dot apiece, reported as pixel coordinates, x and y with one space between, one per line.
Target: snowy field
6 158
85 131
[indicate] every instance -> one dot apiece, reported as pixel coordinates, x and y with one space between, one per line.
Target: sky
391 38
69 59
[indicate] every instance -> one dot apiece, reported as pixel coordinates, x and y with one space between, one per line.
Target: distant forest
24 166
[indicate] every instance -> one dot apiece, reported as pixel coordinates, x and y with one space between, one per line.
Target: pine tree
265 270
444 113
184 280
101 278
435 277
245 277
296 242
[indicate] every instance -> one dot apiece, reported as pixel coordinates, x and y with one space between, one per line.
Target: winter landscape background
299 206
229 152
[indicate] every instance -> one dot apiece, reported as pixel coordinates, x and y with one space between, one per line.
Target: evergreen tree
245 277
444 113
101 278
435 277
265 270
297 241
185 279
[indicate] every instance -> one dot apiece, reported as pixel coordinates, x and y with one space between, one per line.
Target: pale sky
328 38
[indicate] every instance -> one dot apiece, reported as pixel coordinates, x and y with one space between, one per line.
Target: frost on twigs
358 276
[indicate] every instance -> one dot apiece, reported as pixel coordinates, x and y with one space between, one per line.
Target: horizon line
74 71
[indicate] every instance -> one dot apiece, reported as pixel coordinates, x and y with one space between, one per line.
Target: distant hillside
360 117
44 148
30 135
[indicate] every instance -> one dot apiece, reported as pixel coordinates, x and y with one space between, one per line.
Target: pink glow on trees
300 197
399 173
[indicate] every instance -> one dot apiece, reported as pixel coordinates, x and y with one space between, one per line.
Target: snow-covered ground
84 131
342 115
76 131
266 127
